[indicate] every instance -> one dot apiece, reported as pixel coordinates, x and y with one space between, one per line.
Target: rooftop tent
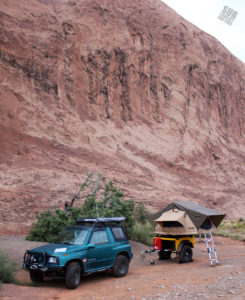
175 222
184 212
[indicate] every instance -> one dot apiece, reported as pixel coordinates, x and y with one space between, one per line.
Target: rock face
126 88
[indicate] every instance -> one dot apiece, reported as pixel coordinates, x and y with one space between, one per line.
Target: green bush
141 213
143 233
50 224
7 269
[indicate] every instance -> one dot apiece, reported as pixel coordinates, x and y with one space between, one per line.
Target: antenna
97 213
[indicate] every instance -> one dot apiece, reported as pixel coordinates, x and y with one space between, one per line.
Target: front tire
73 275
185 254
36 276
121 266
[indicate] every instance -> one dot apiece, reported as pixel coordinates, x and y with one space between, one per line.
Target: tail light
157 243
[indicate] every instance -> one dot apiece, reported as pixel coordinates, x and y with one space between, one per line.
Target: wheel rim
187 253
77 276
123 267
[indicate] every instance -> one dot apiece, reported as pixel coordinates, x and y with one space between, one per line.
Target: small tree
50 224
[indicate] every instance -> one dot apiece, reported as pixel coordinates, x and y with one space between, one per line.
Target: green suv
92 245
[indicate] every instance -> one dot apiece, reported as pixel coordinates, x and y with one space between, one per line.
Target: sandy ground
163 280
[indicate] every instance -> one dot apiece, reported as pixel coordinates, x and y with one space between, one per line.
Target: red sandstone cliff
127 88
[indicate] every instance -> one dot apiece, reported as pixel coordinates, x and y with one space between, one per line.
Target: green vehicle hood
55 249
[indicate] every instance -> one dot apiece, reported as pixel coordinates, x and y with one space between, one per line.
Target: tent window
171 224
206 225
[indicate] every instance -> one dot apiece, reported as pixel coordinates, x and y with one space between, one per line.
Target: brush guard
32 261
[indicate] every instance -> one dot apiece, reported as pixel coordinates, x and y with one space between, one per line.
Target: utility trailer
175 227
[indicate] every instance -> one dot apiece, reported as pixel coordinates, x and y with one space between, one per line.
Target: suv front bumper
38 261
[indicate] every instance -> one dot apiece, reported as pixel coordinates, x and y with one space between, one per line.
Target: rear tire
73 275
164 255
185 254
121 266
36 276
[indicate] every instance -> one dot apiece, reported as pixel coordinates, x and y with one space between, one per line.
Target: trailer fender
182 244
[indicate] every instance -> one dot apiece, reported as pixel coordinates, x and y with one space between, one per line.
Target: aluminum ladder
213 258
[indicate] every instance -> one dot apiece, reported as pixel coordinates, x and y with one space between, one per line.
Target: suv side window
118 234
99 237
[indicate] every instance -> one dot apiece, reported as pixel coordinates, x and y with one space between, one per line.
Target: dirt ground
163 280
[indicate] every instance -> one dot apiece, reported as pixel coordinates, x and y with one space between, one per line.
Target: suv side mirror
90 246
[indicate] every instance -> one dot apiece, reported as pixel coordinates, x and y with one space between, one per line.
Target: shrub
141 213
143 233
233 229
7 269
49 224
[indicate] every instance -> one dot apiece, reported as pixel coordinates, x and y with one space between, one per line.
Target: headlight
53 260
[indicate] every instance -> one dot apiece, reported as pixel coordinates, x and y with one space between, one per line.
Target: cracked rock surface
126 88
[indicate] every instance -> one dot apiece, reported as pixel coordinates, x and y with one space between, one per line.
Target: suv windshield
72 236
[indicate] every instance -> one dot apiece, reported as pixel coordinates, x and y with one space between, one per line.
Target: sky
204 14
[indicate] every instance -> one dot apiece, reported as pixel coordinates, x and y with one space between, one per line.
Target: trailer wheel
36 276
164 255
185 254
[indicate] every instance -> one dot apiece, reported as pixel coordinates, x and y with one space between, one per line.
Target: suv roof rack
101 220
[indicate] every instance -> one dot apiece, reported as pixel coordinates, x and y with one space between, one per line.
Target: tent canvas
200 216
174 222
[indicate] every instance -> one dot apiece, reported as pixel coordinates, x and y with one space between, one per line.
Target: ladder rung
211 250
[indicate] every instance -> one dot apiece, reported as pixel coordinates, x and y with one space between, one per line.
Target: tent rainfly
186 217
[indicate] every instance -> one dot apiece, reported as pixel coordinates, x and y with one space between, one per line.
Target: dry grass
234 229
7 269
